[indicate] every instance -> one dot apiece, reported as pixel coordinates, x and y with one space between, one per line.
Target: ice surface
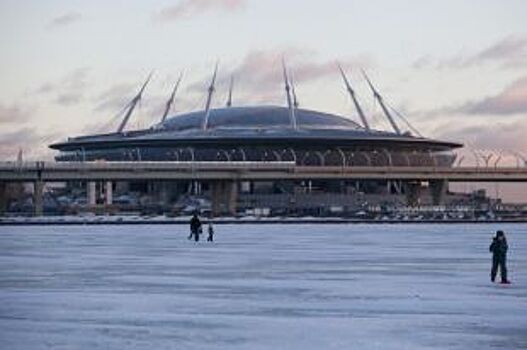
260 287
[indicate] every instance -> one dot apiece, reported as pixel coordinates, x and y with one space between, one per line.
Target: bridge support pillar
3 197
215 198
438 189
38 200
412 190
165 190
108 193
232 192
224 197
122 187
91 193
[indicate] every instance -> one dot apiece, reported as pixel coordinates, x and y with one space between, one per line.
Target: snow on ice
260 287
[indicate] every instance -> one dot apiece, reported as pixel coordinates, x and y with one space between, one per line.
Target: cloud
495 136
14 113
68 99
65 20
21 136
18 132
114 101
114 98
506 49
192 8
258 77
302 63
512 100
423 62
28 139
509 52
68 90
44 88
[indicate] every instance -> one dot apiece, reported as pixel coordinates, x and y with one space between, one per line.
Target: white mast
383 106
133 103
293 92
20 156
171 99
354 98
292 115
231 85
209 98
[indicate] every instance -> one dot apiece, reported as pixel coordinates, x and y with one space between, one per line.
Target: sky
457 70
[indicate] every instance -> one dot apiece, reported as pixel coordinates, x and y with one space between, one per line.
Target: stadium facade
263 134
260 133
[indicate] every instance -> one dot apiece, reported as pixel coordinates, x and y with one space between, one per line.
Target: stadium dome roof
260 124
257 118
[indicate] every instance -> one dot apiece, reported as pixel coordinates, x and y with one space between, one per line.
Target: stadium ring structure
261 134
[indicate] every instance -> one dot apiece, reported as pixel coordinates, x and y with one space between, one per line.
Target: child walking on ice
210 238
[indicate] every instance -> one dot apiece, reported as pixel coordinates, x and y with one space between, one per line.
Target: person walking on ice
195 227
499 248
210 238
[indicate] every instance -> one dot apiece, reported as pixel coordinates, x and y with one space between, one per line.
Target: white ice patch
260 287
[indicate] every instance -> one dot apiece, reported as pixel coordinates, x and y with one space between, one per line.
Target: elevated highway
244 171
223 176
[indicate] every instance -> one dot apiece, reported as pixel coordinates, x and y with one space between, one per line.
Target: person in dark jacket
210 238
499 249
195 227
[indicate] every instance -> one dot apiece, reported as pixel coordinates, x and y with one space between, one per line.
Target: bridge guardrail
264 171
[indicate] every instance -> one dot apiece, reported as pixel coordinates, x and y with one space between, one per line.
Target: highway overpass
244 171
223 176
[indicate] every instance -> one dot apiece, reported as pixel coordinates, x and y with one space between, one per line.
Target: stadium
261 133
268 134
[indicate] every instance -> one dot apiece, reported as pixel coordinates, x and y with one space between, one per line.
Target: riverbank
162 220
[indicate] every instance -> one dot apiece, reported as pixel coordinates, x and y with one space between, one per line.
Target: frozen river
260 287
